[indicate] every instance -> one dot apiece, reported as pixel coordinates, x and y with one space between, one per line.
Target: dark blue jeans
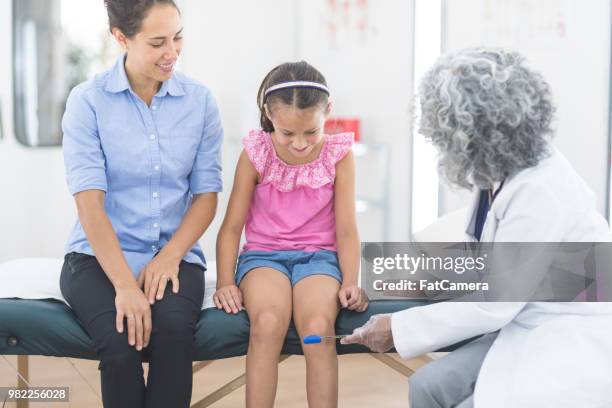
91 296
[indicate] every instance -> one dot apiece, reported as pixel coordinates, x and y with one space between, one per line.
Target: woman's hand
353 297
156 275
132 304
229 298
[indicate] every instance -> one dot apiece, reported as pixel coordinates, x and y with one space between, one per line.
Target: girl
294 188
141 146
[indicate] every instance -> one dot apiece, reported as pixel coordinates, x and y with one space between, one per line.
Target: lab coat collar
470 228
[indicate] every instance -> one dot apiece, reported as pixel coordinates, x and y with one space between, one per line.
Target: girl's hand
156 275
353 298
229 298
132 304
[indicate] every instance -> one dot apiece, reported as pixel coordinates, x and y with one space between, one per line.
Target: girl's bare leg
315 308
267 299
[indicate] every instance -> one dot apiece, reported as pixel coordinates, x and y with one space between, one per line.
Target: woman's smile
165 67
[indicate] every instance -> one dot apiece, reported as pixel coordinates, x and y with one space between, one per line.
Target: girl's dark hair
302 98
127 15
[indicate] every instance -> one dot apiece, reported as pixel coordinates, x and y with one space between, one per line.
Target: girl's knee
267 326
319 325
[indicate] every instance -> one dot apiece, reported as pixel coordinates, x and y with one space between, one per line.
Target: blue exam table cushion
50 328
34 318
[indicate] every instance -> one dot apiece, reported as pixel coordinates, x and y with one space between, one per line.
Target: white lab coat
547 354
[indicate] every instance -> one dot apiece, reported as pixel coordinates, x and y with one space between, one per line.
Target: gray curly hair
488 115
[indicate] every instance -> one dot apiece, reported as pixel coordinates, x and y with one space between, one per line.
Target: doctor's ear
120 38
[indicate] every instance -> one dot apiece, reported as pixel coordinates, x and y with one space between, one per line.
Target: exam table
35 321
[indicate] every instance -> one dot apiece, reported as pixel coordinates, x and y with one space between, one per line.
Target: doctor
489 117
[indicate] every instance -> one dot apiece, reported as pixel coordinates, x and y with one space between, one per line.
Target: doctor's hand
375 334
353 297
156 275
228 298
132 305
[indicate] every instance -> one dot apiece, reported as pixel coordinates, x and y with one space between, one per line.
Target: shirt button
155 225
154 107
156 167
153 247
152 137
155 194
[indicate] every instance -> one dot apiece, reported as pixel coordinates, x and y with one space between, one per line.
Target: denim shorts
296 265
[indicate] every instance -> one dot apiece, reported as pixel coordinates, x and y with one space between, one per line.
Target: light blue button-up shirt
150 160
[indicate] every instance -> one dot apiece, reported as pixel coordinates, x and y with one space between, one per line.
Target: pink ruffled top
292 208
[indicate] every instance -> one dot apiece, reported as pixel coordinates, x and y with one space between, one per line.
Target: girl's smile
298 133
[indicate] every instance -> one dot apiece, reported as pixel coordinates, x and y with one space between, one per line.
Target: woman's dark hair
127 15
302 98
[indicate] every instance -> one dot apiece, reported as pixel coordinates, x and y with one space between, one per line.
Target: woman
489 117
141 148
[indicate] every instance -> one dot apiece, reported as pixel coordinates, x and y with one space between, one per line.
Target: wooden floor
364 382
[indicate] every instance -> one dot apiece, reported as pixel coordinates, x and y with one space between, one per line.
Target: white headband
296 84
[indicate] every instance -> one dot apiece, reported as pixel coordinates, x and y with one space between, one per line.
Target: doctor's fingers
382 344
355 338
371 320
377 319
369 339
379 340
378 348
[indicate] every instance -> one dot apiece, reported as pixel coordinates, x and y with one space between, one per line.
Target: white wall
367 60
36 211
231 45
227 48
368 70
568 41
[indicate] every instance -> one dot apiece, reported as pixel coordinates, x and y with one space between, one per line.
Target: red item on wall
341 125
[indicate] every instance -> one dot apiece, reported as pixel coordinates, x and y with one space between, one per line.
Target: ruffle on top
286 177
